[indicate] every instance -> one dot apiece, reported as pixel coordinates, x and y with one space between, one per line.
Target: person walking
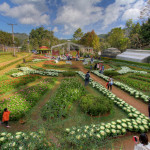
142 143
87 78
102 69
110 83
5 117
97 66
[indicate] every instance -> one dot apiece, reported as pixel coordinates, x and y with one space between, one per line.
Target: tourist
142 143
107 85
149 107
5 117
92 60
102 69
98 66
110 83
87 78
95 66
90 67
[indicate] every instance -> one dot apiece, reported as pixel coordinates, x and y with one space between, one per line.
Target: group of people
109 84
100 67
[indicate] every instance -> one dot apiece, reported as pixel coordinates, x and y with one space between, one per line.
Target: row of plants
26 98
139 78
125 69
8 85
42 69
137 122
130 63
24 141
69 73
142 75
131 91
39 60
28 71
137 84
61 103
5 66
10 72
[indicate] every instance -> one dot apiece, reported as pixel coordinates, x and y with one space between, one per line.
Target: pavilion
43 50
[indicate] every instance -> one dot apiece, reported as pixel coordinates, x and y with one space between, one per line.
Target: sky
64 17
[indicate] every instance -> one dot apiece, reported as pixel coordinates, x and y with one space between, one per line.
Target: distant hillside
21 37
102 36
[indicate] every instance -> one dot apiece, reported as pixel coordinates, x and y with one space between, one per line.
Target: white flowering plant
23 141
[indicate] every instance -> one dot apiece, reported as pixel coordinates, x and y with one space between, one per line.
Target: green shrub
10 72
95 105
111 73
21 65
3 77
69 74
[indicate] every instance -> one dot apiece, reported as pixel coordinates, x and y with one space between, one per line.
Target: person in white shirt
143 143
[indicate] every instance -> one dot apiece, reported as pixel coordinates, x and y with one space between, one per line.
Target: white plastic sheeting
135 55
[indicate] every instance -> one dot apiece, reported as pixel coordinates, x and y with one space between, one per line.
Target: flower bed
25 99
59 105
8 85
39 60
28 71
23 141
131 91
125 69
136 122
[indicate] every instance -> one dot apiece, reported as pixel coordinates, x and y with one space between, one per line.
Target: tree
41 37
117 39
78 34
145 12
145 33
91 39
135 36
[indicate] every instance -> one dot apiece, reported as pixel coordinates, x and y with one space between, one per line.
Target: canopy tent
44 49
73 46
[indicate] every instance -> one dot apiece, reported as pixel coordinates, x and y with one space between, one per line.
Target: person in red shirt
5 117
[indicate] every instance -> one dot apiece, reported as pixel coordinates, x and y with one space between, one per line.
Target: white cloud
26 14
79 13
134 11
111 14
55 29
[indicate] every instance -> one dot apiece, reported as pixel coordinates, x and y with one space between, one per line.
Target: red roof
44 48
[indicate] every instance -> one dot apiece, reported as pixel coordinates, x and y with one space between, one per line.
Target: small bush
110 73
69 74
10 72
95 105
21 65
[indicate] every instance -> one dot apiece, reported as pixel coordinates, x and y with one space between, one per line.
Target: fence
4 48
